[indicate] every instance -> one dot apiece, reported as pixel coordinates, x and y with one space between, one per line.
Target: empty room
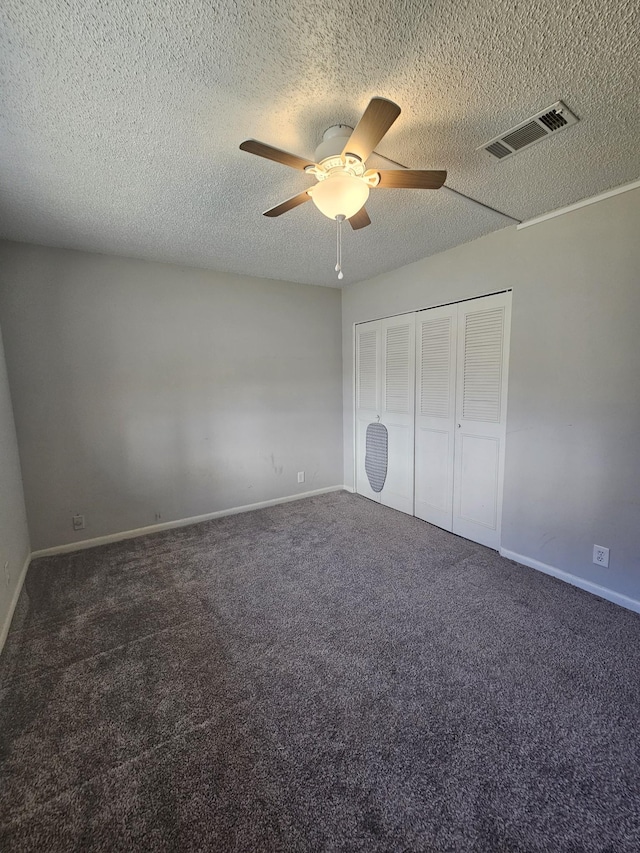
320 426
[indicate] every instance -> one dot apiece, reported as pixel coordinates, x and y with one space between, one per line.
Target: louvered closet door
436 332
397 410
368 396
481 385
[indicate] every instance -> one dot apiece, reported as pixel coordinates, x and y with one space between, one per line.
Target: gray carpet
326 675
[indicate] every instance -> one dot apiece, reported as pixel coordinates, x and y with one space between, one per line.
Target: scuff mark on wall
277 468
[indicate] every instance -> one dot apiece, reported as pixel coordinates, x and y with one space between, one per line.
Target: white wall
143 388
573 432
14 536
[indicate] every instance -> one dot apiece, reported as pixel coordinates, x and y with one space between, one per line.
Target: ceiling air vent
499 150
528 132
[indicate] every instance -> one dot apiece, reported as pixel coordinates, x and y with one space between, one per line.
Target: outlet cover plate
601 556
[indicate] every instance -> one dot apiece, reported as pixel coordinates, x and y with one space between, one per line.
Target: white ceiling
120 121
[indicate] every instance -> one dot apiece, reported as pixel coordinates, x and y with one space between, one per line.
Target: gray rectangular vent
499 150
525 136
553 120
545 123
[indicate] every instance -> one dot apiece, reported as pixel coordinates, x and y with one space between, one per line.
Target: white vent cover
545 123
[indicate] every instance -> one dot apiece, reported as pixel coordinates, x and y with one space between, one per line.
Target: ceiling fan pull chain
339 220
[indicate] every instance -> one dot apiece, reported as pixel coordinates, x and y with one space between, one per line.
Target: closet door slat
398 370
367 369
482 370
434 390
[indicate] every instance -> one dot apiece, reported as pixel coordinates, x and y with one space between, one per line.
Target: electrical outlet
7 576
78 522
601 556
301 476
158 516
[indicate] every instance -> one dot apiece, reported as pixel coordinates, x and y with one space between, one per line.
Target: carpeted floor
326 675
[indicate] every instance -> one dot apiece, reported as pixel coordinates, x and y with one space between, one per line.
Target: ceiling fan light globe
340 194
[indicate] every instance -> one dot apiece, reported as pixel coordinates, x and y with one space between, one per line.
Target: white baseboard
170 525
588 586
14 601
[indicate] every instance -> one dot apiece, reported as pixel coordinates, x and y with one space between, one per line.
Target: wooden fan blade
375 122
275 154
411 179
289 204
360 219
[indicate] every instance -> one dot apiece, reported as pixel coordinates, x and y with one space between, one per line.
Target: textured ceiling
120 121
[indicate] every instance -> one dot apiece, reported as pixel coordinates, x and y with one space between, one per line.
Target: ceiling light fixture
340 194
343 188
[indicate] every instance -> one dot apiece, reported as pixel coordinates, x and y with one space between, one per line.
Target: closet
430 414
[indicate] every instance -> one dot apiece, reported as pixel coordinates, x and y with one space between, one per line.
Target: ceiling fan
339 166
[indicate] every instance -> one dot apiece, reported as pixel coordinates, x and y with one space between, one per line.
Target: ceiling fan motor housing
333 141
